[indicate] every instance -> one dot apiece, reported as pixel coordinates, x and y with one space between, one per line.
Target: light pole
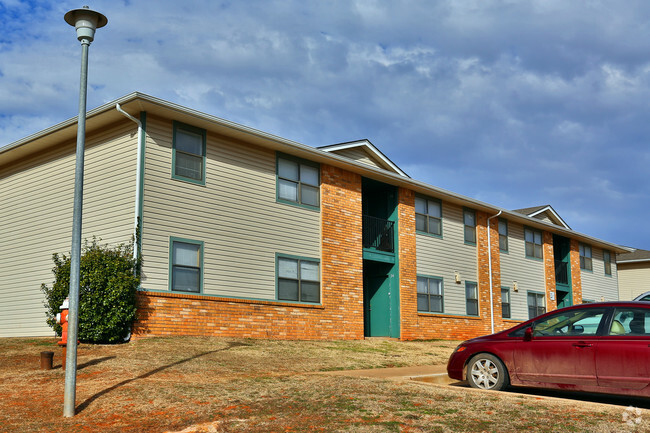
85 21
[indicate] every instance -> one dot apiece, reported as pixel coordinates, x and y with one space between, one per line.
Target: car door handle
582 345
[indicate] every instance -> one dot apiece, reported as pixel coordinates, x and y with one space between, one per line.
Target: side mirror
528 334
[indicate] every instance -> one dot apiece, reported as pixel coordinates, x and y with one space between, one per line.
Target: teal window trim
427 218
471 301
469 228
536 307
607 262
537 253
200 244
428 295
194 130
299 279
586 257
503 235
300 185
509 303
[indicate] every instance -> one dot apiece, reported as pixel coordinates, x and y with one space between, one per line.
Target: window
536 304
630 321
533 239
428 216
298 279
186 258
584 321
298 182
503 235
430 294
188 153
585 257
471 296
469 219
505 302
607 260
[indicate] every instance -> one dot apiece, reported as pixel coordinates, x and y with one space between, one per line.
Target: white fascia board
368 146
555 214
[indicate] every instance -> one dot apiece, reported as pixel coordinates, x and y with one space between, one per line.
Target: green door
376 299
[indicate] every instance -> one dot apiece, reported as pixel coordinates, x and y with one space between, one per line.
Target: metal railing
561 272
378 233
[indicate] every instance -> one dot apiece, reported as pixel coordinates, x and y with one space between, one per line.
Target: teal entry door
376 299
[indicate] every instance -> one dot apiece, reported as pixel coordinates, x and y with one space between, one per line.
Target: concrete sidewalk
425 373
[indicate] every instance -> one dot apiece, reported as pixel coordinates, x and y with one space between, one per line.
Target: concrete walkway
425 373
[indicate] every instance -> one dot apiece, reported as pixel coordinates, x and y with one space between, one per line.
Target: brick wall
549 270
339 317
409 323
576 277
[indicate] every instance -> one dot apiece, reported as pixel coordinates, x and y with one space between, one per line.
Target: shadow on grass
91 399
94 362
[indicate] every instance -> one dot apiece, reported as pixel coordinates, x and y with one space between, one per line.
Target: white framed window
536 304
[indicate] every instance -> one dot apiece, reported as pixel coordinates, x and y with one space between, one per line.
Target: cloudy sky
515 103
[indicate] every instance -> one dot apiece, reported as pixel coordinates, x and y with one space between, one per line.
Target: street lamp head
85 21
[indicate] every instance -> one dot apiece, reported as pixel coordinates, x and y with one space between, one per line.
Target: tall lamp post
85 21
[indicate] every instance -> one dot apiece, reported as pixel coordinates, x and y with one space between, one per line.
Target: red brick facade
549 271
576 277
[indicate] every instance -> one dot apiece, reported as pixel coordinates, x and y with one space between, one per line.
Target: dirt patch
238 385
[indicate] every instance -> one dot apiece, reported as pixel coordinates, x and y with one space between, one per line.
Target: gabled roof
106 116
633 257
374 156
544 210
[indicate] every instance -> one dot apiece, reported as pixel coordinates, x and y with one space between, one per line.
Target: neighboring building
251 235
633 273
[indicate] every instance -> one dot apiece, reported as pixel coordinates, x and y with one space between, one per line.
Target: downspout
138 180
490 271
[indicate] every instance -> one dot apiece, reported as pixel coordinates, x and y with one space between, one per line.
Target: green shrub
108 280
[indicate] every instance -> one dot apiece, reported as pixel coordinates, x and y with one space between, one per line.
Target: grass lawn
240 385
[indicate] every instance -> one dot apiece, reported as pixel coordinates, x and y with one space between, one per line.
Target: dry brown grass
237 385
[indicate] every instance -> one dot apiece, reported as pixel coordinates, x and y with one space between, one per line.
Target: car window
630 321
583 321
645 298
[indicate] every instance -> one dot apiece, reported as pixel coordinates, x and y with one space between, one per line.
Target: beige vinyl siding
358 155
545 217
442 257
633 279
235 214
597 286
36 214
528 273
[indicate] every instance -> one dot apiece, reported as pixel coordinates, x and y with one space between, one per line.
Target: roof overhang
136 102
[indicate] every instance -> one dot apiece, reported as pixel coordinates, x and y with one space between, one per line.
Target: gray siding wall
235 214
36 218
528 273
442 257
358 155
633 279
596 285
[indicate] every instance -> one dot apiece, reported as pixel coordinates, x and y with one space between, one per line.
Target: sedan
600 347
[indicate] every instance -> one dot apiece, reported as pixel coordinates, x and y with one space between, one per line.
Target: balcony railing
561 272
378 233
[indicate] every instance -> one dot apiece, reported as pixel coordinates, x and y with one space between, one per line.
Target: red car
602 347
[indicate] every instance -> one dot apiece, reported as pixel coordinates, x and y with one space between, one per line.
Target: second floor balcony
378 234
